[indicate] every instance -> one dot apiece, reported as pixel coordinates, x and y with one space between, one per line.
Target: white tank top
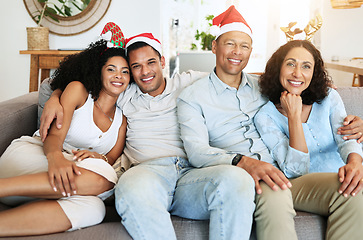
83 133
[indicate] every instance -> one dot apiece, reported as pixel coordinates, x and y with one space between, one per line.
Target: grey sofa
19 117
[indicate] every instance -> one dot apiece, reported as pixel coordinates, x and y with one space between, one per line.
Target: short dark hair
271 87
138 45
86 67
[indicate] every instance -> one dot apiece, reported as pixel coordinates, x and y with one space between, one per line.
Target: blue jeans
146 193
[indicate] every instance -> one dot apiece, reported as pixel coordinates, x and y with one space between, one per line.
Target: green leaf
60 12
74 4
209 17
42 1
62 1
36 18
50 10
68 11
54 18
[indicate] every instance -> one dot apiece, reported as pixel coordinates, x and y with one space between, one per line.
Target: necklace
110 118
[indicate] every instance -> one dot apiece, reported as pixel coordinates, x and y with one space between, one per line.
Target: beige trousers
315 193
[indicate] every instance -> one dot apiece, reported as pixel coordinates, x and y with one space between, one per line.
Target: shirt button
100 136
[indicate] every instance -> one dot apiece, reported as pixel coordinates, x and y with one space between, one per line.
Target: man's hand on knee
266 172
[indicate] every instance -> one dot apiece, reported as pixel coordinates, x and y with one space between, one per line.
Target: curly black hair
85 67
271 87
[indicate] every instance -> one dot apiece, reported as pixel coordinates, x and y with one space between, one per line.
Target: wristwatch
236 159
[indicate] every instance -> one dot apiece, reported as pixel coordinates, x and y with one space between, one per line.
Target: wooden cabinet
43 61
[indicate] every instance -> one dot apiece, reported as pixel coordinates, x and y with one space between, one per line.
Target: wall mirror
80 20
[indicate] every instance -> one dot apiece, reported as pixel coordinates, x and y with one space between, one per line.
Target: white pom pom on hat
229 20
214 30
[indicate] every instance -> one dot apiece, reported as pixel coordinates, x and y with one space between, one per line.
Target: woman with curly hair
71 172
299 126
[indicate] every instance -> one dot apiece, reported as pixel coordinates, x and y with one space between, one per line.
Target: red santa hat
230 20
147 38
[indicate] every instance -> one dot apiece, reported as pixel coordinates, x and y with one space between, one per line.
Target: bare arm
60 170
52 110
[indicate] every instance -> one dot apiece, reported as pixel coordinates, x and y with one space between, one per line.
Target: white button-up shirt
152 127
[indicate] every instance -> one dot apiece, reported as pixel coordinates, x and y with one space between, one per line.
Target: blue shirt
327 150
216 121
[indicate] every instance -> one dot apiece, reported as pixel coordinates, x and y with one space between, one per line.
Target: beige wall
14 68
341 35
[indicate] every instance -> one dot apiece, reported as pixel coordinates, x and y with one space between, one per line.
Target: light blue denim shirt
327 150
216 121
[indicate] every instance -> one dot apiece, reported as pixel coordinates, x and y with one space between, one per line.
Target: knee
97 184
83 211
276 202
235 184
103 184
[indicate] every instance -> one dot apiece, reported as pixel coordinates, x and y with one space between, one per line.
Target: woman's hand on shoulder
352 128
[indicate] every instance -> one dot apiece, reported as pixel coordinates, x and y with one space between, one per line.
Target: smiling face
147 70
232 50
297 70
115 75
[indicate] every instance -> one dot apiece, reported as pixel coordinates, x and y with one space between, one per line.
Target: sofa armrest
18 118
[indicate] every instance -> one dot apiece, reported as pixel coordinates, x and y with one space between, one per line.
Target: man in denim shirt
216 119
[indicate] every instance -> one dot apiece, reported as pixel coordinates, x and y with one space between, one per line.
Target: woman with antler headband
299 126
71 173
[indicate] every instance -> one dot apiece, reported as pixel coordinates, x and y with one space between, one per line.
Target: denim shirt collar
220 86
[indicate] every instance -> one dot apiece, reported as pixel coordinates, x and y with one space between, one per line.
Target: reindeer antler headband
311 28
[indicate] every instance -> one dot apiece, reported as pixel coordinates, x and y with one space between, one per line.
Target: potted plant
38 37
204 58
205 38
